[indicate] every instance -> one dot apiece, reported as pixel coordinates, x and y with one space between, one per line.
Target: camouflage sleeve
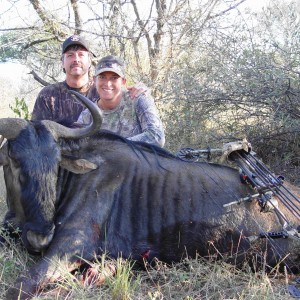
148 116
85 118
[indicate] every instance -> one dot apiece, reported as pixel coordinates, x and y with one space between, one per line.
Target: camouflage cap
110 63
75 40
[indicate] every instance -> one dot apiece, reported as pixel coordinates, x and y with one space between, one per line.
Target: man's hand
137 89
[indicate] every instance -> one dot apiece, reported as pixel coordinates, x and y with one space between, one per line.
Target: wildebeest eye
22 179
13 156
15 163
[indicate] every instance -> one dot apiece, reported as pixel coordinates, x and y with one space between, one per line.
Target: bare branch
141 24
38 78
28 45
228 9
18 28
50 23
78 19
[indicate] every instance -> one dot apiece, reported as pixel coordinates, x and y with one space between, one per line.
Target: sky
13 72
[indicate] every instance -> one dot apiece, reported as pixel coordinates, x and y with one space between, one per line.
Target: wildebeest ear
77 166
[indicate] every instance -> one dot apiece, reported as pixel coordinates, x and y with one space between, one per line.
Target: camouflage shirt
54 102
137 120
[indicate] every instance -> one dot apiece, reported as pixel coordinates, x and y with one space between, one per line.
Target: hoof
94 277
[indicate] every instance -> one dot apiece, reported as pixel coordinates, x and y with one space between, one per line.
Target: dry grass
190 279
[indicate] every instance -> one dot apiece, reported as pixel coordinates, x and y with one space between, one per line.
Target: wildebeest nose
39 241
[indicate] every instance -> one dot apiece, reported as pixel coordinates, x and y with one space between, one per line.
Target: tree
151 40
218 73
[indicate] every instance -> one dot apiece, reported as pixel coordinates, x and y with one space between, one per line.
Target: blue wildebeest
81 197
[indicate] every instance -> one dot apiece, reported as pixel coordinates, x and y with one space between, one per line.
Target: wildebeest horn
59 131
11 127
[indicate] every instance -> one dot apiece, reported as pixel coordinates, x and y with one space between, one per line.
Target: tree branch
77 16
38 78
50 23
28 45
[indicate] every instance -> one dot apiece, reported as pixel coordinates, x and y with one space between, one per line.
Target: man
54 102
136 120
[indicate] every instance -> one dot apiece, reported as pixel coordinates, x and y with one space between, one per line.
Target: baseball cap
110 63
75 40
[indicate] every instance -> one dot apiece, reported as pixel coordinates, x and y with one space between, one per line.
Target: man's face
76 61
109 85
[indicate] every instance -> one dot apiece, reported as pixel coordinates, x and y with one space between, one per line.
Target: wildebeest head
31 159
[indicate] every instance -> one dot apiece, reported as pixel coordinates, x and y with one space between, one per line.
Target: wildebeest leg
26 285
53 265
42 273
47 271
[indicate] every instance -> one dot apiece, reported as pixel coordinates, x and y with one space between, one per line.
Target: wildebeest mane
136 146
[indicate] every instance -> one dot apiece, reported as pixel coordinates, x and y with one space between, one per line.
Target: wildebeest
127 199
